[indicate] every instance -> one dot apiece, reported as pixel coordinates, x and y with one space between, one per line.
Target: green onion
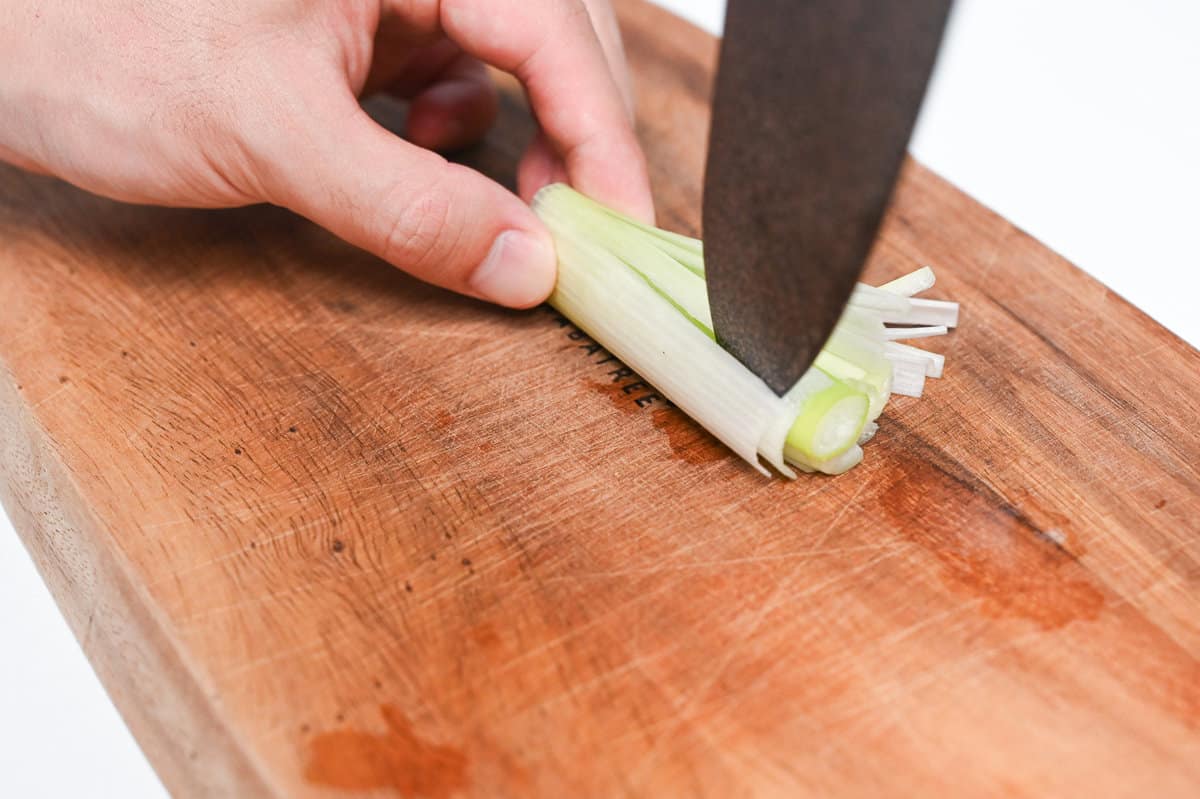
640 292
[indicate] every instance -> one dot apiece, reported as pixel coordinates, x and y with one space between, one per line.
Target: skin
221 103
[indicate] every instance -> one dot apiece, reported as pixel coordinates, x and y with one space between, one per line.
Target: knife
814 105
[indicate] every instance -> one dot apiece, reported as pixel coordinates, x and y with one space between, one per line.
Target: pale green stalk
640 292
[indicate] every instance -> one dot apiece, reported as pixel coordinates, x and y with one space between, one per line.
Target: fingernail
518 271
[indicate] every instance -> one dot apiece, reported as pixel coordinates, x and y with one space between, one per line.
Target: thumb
443 223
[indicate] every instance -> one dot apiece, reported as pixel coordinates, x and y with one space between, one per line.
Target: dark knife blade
815 103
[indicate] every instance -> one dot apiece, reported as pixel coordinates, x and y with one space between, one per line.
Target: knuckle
190 112
417 228
565 21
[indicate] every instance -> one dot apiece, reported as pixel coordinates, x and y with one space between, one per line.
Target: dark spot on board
340 717
408 586
254 545
191 343
989 550
292 429
466 562
63 380
396 759
485 636
237 450
124 353
338 545
613 392
341 306
1160 504
689 441
433 556
378 684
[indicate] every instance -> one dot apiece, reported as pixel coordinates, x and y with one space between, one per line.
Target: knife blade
814 104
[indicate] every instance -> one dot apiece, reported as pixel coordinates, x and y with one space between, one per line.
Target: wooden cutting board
326 531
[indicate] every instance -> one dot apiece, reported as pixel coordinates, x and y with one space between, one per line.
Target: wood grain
325 531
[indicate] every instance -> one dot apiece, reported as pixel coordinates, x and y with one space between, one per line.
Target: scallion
640 292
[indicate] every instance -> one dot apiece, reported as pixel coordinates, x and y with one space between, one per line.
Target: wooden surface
326 531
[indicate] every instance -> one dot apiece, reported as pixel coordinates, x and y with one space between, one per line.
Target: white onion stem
902 333
912 283
925 312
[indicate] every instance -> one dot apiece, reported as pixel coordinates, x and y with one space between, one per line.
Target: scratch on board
686 713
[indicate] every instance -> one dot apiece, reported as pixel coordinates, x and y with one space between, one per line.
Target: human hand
224 103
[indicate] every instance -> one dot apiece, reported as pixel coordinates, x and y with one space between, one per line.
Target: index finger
552 48
608 31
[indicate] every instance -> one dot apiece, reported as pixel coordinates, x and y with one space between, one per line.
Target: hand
220 103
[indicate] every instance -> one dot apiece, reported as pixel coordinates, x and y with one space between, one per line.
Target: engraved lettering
620 374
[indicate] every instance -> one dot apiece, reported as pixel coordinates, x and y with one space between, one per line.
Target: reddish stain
485 636
486 447
689 441
1160 504
443 419
615 394
989 550
397 759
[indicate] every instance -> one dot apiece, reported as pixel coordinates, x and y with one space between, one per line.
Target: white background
1076 119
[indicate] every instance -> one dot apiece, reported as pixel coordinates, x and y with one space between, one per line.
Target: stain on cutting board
688 441
396 759
630 394
987 548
